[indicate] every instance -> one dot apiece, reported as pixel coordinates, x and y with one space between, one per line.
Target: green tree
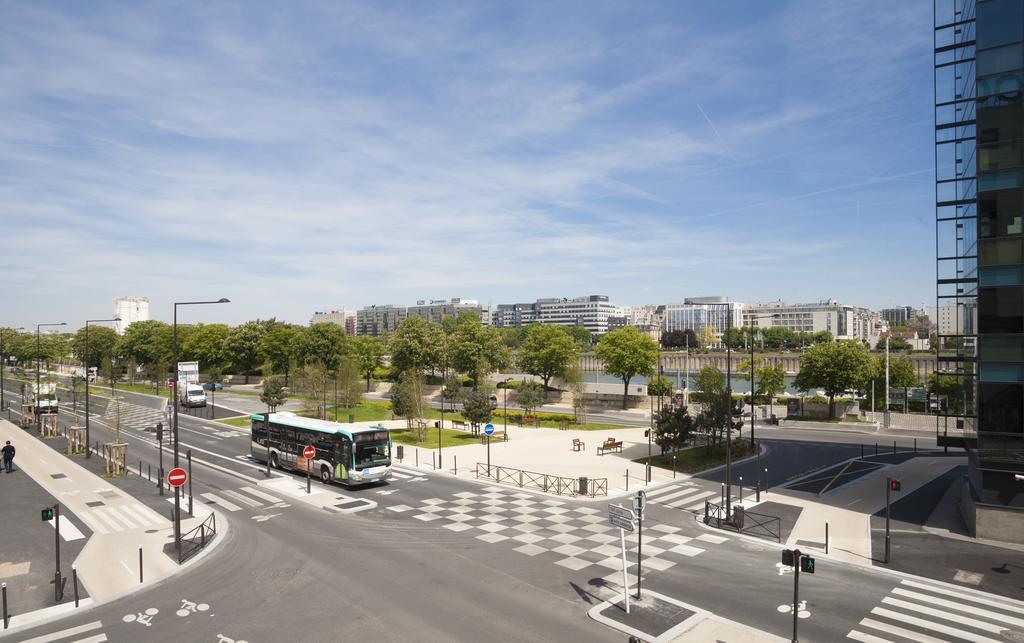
349 382
717 407
102 342
279 349
368 352
707 337
324 343
950 391
274 393
547 351
672 428
407 398
205 343
477 407
659 386
147 343
901 374
769 380
451 391
898 344
675 339
414 345
311 380
575 379
242 347
582 336
734 337
477 350
625 353
530 395
835 368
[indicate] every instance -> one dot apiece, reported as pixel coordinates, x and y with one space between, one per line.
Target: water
678 377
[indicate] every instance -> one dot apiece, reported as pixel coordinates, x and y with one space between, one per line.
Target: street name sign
621 517
176 477
309 452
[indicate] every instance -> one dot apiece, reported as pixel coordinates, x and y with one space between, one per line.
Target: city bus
345 454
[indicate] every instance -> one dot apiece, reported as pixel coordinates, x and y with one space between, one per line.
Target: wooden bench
609 445
578 445
497 434
458 425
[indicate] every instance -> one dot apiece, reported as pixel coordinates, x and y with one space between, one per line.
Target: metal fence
743 521
195 540
559 485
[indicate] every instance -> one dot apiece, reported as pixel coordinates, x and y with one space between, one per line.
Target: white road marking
71 631
899 631
220 502
234 495
929 625
253 491
68 530
960 607
946 616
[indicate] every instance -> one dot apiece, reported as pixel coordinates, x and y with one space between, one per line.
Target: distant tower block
130 310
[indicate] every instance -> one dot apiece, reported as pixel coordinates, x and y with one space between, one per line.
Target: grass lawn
697 459
241 421
449 438
366 411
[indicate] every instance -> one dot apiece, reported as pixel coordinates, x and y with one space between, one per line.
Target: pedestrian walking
8 453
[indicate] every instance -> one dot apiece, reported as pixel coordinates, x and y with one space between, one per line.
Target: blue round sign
489 429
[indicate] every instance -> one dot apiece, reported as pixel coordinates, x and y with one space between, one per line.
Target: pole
160 451
140 564
625 577
308 477
758 479
74 581
728 417
38 367
188 459
266 426
174 401
796 591
57 593
506 409
886 413
826 536
888 485
3 588
488 456
639 549
752 387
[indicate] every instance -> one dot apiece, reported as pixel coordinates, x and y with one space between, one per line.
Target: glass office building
979 160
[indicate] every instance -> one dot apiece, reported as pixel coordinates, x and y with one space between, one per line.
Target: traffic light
807 564
160 433
47 514
894 484
787 557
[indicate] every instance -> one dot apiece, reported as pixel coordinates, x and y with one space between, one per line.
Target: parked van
191 395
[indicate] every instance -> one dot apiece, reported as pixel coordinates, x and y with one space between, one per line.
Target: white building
344 318
699 313
130 310
378 319
948 318
838 319
513 315
437 309
593 312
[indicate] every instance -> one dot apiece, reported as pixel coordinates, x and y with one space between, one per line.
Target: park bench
531 420
458 425
578 445
498 434
609 444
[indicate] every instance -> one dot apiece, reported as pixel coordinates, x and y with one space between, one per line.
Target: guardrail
562 486
743 521
195 540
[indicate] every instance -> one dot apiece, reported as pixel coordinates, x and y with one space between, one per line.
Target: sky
307 156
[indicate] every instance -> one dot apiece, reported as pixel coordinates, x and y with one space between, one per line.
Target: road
429 558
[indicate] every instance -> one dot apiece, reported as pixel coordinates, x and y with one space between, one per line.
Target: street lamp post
3 367
174 402
39 368
728 415
505 401
85 363
752 407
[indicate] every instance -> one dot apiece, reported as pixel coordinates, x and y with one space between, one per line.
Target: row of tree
771 338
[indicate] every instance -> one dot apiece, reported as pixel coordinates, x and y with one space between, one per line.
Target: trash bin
583 485
351 418
774 419
400 451
738 515
437 424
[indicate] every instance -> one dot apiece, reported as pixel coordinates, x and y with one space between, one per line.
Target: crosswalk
133 416
924 612
115 518
69 635
687 496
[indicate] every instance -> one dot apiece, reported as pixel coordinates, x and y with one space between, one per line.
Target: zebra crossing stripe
680 502
99 638
109 524
960 607
935 627
662 499
400 476
92 523
242 499
987 599
698 506
71 631
253 491
220 502
144 515
866 638
946 616
899 631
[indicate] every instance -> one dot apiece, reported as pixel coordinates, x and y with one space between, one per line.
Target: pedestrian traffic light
787 557
807 564
160 433
47 514
894 484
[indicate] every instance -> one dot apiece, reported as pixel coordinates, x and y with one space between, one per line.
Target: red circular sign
176 477
309 452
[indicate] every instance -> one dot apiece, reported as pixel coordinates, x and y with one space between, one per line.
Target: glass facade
979 159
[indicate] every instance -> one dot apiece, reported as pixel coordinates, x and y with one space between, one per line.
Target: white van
191 395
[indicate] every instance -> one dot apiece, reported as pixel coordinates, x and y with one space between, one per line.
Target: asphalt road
409 568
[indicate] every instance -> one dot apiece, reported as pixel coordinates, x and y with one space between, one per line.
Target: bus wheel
273 461
325 474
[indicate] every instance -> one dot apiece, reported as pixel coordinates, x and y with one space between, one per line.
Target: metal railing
743 521
195 540
547 483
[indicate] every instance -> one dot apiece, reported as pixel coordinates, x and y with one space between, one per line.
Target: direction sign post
308 453
489 430
176 477
624 519
639 502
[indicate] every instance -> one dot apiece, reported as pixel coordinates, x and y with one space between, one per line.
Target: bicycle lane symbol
188 607
144 618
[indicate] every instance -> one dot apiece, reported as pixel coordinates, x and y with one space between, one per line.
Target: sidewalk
108 565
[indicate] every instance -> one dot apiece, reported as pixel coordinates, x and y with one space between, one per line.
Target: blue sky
302 156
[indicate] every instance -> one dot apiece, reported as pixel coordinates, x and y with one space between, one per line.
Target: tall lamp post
752 320
3 366
505 400
85 362
39 367
174 402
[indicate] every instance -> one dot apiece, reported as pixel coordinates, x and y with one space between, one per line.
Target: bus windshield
370 454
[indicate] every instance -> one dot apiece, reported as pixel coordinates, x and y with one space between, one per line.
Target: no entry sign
309 452
176 477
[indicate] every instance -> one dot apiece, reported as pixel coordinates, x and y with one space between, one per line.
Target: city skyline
364 154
